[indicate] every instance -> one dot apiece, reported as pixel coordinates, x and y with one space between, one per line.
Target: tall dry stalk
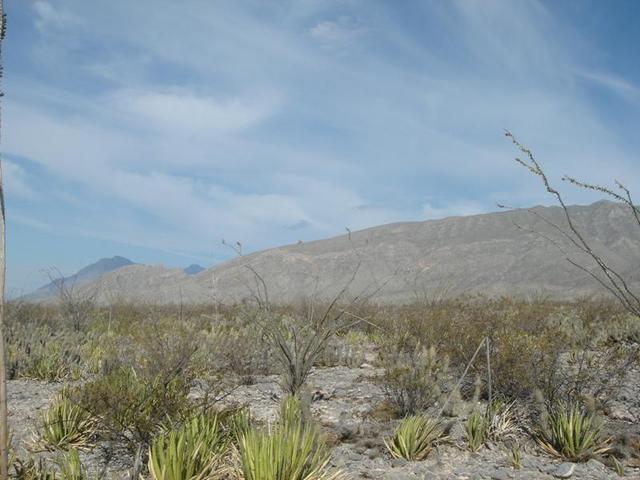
4 427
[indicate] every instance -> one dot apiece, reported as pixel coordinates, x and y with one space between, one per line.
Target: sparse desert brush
415 437
235 348
413 374
348 350
131 407
42 351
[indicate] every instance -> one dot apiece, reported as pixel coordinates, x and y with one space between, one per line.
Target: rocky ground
349 405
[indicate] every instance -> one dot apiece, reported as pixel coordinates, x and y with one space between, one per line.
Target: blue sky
153 129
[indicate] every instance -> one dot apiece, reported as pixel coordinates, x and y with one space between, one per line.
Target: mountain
514 252
83 276
193 269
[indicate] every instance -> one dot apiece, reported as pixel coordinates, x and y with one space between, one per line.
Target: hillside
492 254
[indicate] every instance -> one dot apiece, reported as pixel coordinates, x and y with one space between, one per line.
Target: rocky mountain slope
505 253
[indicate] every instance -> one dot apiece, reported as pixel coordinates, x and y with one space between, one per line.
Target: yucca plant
65 425
292 410
194 451
415 437
286 452
71 467
477 430
571 433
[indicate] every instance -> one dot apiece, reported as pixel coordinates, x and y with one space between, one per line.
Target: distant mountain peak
89 273
194 269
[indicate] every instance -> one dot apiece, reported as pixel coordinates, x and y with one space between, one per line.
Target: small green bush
414 438
412 374
132 407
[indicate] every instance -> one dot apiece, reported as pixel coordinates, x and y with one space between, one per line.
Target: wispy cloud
618 85
171 127
338 33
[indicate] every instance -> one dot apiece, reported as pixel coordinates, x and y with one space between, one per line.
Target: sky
154 129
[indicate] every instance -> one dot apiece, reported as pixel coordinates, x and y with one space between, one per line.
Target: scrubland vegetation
128 376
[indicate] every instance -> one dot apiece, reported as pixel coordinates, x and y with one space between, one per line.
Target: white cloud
48 16
618 85
337 33
239 126
180 110
16 181
454 209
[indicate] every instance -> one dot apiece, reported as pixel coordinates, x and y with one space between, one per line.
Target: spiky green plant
292 410
477 430
65 425
194 451
286 452
71 467
617 466
516 457
415 437
569 432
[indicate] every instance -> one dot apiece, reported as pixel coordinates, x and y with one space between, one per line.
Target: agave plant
414 438
571 433
194 451
71 467
477 430
65 425
286 452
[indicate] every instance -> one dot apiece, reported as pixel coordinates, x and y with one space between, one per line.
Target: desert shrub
235 348
133 407
531 343
42 351
297 344
569 432
412 374
345 350
65 425
195 451
415 437
477 430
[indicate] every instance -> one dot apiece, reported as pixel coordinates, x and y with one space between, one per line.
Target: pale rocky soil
345 406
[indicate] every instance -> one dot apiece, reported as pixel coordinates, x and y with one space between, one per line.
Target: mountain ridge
496 253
